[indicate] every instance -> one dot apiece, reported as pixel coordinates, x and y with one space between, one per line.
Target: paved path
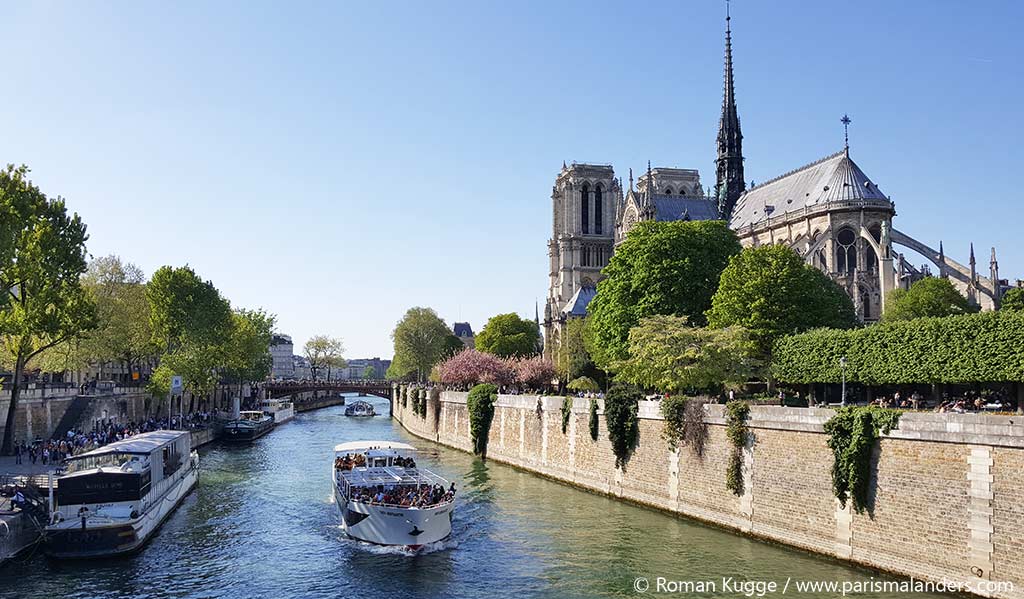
7 466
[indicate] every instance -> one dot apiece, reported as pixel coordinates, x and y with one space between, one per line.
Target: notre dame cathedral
828 211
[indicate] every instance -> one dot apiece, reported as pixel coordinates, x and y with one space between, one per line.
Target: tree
123 332
535 372
931 296
369 372
661 268
1013 300
771 292
666 353
183 307
571 356
247 351
470 367
324 352
507 336
421 339
44 256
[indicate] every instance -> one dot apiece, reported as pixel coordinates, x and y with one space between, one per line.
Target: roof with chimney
462 329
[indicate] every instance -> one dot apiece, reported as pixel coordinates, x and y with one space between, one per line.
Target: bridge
380 388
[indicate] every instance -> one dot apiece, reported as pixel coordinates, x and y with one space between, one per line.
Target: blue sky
336 163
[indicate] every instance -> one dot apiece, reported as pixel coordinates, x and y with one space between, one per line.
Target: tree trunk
8 444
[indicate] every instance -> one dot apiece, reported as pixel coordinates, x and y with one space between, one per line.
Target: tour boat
360 408
280 411
385 499
113 499
249 426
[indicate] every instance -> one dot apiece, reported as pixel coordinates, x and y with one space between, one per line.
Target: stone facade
948 491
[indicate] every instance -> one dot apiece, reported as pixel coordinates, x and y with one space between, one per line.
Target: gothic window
668 191
846 251
870 258
585 256
597 210
865 304
585 208
682 191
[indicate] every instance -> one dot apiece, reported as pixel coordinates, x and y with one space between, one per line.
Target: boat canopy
361 446
143 444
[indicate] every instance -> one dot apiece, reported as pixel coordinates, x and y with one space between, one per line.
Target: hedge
985 347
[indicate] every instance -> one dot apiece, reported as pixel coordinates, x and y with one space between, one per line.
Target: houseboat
385 499
281 411
249 426
113 499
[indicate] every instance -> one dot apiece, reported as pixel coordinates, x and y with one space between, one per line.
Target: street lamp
842 364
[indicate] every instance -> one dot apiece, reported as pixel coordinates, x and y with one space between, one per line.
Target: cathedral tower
585 199
729 164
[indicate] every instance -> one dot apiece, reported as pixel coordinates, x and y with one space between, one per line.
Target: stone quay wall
948 489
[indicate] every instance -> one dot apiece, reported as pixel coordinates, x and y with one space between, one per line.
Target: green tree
1013 300
123 333
661 268
369 372
668 354
507 336
571 356
421 340
324 353
931 296
183 307
247 351
44 256
771 292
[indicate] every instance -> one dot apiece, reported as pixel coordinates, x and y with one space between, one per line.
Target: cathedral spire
729 164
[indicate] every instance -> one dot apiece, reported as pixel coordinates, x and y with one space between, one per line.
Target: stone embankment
947 490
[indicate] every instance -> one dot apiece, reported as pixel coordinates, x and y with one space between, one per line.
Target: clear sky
336 163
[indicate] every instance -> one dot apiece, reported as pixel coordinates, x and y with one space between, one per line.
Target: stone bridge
380 388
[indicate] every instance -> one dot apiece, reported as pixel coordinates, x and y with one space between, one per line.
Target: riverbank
948 494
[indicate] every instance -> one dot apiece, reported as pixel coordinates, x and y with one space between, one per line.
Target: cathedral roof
677 207
577 304
835 178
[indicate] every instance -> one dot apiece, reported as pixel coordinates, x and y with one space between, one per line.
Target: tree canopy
572 359
183 307
42 258
324 352
421 340
1013 300
661 268
508 335
771 292
667 354
929 297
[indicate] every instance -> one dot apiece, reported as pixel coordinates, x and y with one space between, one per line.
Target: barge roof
144 444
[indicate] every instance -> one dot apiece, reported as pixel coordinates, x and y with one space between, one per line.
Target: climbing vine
852 433
566 413
419 402
736 430
403 395
480 404
594 423
684 422
621 414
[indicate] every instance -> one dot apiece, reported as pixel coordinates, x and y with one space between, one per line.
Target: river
260 524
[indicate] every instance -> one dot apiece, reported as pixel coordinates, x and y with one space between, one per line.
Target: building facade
829 211
281 350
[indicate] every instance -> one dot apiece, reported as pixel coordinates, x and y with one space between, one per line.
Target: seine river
260 524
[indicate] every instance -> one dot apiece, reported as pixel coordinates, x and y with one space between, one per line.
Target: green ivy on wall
852 433
480 404
594 422
684 422
736 430
566 413
621 414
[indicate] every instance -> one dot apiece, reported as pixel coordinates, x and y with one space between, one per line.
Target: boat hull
387 525
69 540
246 434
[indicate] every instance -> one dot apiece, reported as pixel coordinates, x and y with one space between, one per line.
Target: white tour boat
383 498
360 408
280 411
112 499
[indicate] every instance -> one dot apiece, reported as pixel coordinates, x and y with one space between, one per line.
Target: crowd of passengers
349 461
418 496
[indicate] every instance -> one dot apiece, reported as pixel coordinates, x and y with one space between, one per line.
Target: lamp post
842 364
